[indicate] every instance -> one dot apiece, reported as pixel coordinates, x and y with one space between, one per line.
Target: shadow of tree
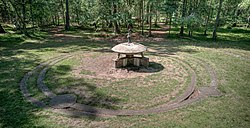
14 110
59 80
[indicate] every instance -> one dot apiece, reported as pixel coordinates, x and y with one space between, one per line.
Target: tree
192 21
24 17
150 18
20 18
184 6
115 15
142 16
116 27
31 13
67 16
156 9
208 11
169 7
63 12
217 21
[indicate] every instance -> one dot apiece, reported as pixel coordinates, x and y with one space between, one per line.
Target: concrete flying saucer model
130 49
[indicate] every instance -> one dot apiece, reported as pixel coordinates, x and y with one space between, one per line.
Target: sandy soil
102 66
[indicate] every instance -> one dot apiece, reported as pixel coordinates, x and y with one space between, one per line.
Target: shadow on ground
16 112
152 68
86 92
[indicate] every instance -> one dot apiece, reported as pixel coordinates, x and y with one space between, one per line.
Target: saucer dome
129 48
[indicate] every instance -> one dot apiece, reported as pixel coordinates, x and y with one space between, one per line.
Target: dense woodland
115 15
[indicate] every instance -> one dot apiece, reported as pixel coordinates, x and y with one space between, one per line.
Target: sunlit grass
229 56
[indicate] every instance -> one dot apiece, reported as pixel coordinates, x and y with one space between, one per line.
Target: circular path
67 103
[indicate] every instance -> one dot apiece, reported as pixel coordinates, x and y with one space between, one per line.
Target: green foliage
169 6
192 21
100 13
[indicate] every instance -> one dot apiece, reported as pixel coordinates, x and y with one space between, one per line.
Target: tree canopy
117 14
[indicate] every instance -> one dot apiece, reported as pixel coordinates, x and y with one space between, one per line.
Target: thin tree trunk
58 19
142 17
150 20
40 21
217 21
166 20
19 18
24 30
31 13
191 8
63 12
77 17
53 20
139 15
205 31
23 14
116 27
248 21
147 18
207 21
67 16
156 18
235 13
170 21
183 15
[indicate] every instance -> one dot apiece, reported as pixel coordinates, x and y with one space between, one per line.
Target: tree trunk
53 20
191 8
77 17
1 29
67 16
248 21
24 30
139 14
31 13
116 27
63 12
166 20
19 18
147 18
183 15
207 21
58 19
156 18
217 21
23 14
142 17
150 21
170 21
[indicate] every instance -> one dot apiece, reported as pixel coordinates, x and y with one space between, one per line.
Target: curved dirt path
189 96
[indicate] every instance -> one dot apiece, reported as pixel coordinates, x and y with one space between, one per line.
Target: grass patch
132 93
229 56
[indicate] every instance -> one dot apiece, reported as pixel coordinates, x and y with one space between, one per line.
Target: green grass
132 93
229 56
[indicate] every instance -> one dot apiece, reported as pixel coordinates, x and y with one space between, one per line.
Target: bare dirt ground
103 66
